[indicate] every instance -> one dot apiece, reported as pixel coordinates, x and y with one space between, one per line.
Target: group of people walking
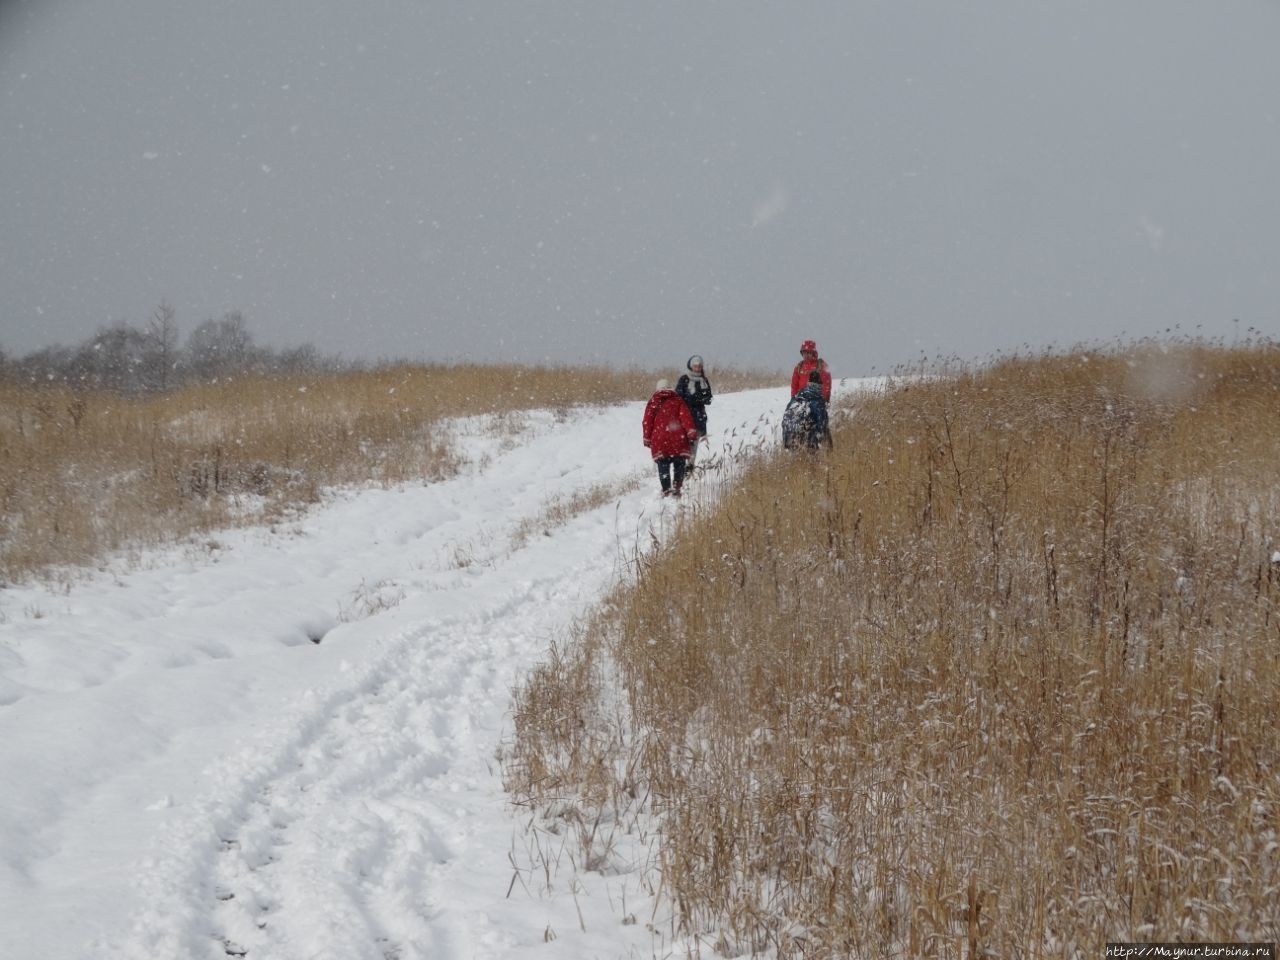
675 421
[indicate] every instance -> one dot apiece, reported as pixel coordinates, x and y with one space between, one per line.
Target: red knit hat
808 346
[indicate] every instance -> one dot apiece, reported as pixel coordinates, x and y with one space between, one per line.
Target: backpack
798 425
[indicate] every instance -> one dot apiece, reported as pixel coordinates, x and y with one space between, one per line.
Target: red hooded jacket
669 430
800 376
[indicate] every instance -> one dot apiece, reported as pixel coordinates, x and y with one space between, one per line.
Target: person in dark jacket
809 362
669 433
805 424
696 390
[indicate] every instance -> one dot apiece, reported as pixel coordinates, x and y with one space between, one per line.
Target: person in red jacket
810 361
669 433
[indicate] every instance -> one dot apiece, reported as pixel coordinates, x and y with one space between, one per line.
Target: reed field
997 677
88 475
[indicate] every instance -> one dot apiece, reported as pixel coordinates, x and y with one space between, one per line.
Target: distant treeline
152 359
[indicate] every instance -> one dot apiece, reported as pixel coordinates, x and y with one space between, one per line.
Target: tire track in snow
338 834
344 829
347 849
329 858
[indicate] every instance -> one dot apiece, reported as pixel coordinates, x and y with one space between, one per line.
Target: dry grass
999 677
87 475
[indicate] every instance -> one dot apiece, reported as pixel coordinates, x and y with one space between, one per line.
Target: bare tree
220 347
112 360
162 334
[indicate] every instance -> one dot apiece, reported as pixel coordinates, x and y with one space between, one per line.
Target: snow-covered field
281 743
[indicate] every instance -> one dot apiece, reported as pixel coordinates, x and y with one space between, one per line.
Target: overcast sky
632 182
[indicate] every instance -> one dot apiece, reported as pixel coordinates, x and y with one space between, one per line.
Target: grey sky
545 180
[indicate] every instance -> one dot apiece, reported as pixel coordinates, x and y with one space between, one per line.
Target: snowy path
188 773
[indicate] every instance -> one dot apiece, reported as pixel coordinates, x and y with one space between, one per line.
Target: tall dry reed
997 677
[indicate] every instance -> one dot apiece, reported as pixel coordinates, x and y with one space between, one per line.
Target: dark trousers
670 469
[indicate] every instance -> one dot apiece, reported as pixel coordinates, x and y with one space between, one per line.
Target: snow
281 743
